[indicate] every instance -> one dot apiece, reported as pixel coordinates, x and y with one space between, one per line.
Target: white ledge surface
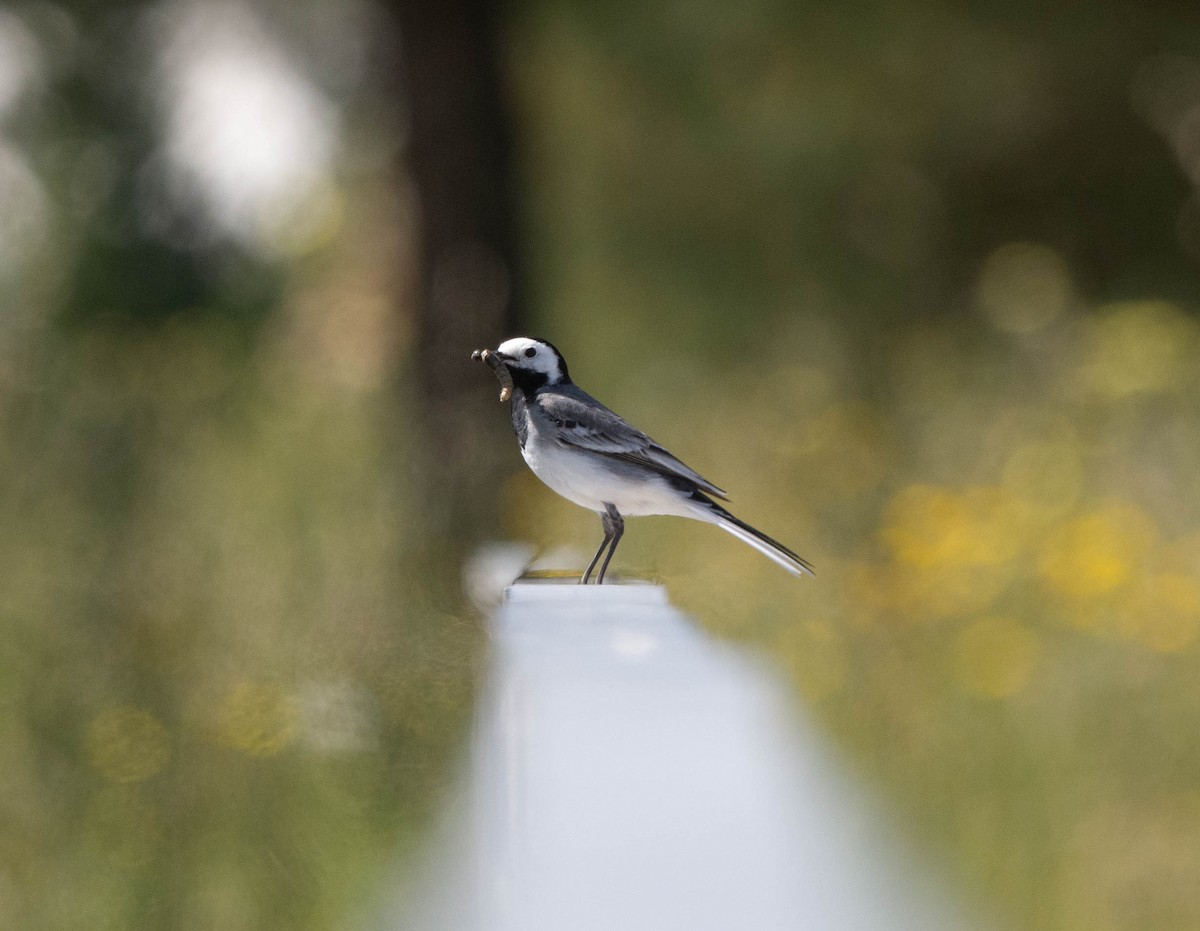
629 773
576 595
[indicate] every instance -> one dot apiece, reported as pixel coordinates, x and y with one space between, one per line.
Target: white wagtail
591 456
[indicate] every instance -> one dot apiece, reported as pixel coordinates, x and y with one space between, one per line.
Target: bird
596 459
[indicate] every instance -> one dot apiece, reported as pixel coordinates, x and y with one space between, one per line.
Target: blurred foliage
227 701
917 283
237 672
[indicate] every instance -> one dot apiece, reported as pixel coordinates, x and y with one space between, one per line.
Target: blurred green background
916 282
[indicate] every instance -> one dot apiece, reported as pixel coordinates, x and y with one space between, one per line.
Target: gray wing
584 422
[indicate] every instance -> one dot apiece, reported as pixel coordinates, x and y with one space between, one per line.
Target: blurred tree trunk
458 156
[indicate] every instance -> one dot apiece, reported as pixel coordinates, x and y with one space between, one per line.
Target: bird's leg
618 527
609 530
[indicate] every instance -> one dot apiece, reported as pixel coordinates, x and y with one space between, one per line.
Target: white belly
588 482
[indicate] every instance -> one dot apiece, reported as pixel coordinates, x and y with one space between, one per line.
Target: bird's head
529 363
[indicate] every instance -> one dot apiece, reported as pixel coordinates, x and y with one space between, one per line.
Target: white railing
629 773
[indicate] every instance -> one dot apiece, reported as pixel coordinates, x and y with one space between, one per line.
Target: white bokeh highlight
248 134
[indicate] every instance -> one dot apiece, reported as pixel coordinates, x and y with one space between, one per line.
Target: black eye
530 353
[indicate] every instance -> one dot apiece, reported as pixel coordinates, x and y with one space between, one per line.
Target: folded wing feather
584 422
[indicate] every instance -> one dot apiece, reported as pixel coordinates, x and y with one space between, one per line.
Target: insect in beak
499 369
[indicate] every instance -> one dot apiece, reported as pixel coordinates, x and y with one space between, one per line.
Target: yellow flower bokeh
928 526
932 594
1094 554
258 718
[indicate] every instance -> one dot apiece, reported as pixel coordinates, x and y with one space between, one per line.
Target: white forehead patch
543 359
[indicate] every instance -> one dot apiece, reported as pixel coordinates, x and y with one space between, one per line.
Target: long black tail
708 510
